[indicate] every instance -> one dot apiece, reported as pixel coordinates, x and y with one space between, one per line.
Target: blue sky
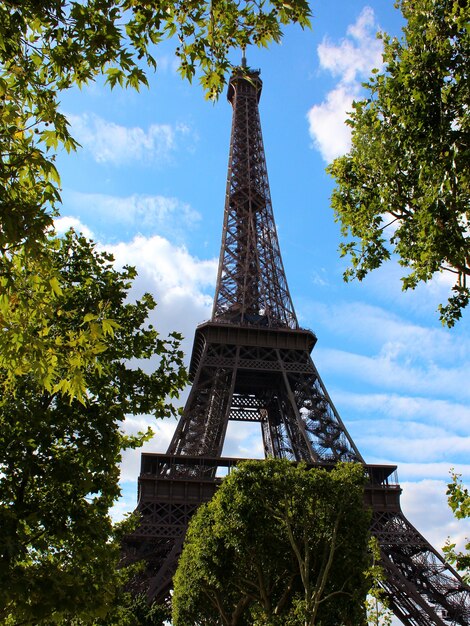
149 185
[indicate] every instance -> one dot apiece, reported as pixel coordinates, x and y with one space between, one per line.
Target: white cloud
355 56
167 63
109 142
392 369
243 440
182 286
351 61
419 442
425 505
437 471
422 300
138 212
326 123
320 277
63 224
455 417
171 269
130 465
390 337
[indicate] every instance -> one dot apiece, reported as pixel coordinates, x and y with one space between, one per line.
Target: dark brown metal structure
252 362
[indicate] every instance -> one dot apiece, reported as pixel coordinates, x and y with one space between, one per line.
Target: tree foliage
459 501
46 47
404 186
128 609
278 544
378 613
59 456
67 332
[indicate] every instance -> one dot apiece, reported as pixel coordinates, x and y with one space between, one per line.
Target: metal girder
251 283
420 584
279 387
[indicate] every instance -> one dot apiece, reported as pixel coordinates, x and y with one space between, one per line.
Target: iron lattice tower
251 362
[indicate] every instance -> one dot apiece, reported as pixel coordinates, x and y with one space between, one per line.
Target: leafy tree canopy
278 544
404 186
47 46
59 457
128 609
378 613
459 502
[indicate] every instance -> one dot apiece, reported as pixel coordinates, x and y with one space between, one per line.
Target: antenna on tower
243 57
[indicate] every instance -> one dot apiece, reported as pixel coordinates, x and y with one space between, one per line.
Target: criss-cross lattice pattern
251 284
278 387
422 589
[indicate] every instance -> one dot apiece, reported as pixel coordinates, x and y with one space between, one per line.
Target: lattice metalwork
251 284
165 507
421 587
252 363
279 387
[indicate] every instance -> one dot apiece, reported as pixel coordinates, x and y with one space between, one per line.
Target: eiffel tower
251 362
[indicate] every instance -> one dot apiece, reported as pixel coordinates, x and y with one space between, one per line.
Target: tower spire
251 284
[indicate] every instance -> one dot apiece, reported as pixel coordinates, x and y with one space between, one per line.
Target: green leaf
54 283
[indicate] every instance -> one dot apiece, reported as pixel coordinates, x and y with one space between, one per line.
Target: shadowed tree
278 544
59 458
